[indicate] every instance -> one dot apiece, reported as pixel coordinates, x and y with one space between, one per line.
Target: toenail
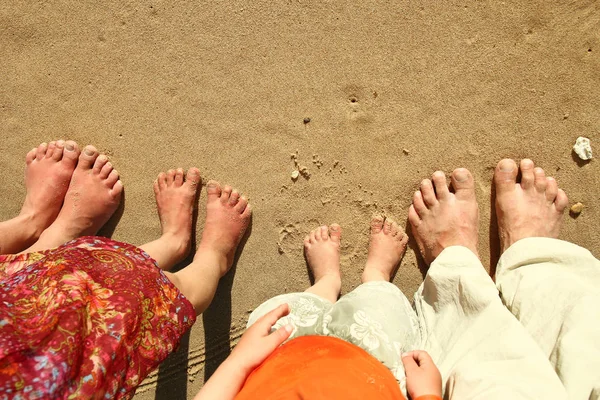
507 166
211 185
69 147
334 228
89 152
461 176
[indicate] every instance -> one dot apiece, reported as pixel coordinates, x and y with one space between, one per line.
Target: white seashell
583 148
295 174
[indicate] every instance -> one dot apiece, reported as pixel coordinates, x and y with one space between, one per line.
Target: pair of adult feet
70 193
73 193
442 216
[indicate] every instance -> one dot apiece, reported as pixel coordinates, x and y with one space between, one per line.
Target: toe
41 151
58 150
505 175
234 197
117 189
395 229
335 232
562 201
225 193
428 193
463 183
113 177
162 180
106 169
540 181
324 232
179 177
551 189
306 240
413 217
155 187
403 237
419 203
170 177
50 151
71 152
241 204
313 235
87 157
440 184
527 176
100 162
387 226
31 155
377 224
192 178
213 190
247 212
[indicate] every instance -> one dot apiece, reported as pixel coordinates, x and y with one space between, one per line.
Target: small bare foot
175 199
47 176
532 208
386 248
93 196
227 217
322 251
440 218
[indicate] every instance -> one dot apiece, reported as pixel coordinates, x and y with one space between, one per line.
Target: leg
175 200
93 196
227 217
551 286
47 176
322 250
481 350
376 316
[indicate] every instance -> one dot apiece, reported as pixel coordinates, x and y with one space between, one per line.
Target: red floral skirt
89 319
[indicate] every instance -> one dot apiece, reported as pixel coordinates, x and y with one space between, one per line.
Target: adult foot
440 218
387 245
227 218
175 200
532 207
47 176
322 251
93 196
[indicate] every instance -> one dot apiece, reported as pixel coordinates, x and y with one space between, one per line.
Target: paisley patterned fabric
89 319
376 317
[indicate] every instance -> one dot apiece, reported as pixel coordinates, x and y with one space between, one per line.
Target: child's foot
175 200
386 248
531 208
93 196
47 176
227 217
441 219
322 251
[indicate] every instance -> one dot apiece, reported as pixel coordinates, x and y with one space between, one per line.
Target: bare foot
227 217
322 251
386 248
532 208
93 196
175 200
47 176
441 219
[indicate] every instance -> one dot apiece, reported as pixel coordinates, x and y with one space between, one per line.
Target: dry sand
225 86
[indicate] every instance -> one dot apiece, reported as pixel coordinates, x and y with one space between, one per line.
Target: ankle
30 224
371 274
332 280
213 258
179 244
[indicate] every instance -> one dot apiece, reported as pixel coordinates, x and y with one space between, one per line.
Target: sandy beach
370 97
